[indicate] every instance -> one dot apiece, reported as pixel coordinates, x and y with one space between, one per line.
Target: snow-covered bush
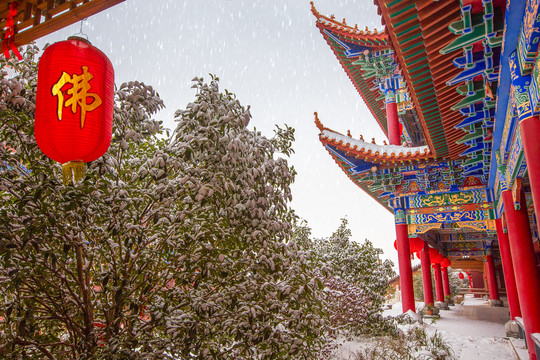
414 343
355 281
169 247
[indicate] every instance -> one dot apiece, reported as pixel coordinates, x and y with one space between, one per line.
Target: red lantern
434 256
461 276
74 104
445 263
415 244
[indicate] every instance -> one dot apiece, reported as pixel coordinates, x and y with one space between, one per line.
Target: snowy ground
474 330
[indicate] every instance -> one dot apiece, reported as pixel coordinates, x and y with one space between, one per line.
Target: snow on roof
383 151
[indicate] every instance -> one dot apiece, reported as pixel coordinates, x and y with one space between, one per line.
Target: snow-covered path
476 331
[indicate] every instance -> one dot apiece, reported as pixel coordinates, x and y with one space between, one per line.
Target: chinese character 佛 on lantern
74 105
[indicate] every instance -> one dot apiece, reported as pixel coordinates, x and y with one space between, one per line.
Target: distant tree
356 282
418 286
455 282
170 247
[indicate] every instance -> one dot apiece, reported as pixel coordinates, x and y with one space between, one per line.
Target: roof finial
349 133
361 137
332 17
313 10
384 142
318 122
373 140
344 22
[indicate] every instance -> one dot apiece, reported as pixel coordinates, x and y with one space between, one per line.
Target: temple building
23 21
455 86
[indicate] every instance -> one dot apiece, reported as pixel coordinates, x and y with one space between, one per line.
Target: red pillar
445 281
426 275
508 270
492 282
438 282
530 132
392 119
527 280
405 270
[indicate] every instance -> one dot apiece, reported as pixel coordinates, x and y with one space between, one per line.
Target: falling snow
271 54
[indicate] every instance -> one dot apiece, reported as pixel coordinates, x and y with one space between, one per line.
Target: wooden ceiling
37 18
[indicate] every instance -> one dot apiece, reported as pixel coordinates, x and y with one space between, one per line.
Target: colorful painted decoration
74 104
461 276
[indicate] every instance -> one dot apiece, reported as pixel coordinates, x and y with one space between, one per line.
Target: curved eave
378 39
373 40
357 179
350 154
363 85
377 154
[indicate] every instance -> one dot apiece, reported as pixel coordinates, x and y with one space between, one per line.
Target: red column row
438 282
426 275
446 281
508 270
405 270
524 261
394 136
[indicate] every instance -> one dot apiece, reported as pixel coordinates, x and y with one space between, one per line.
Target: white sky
272 56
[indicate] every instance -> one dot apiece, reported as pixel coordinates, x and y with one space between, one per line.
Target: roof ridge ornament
318 123
313 10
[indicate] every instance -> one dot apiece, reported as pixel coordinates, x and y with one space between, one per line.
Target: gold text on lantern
79 92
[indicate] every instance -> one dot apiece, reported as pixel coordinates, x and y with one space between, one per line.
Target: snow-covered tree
169 247
356 282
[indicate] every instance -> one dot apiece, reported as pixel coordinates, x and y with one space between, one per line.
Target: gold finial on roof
318 122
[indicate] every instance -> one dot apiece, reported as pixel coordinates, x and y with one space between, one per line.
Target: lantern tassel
72 171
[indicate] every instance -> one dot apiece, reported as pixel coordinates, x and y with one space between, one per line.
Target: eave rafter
37 18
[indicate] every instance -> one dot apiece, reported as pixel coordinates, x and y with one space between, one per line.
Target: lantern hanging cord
81 33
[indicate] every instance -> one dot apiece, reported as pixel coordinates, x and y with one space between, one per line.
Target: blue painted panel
530 34
478 68
351 50
358 166
519 93
513 18
476 117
